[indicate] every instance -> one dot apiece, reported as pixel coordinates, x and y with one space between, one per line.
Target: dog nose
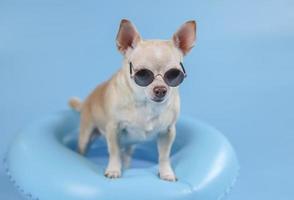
160 91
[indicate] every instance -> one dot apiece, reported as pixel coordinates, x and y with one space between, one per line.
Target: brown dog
141 99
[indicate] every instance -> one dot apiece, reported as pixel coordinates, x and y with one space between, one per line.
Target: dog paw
112 174
168 177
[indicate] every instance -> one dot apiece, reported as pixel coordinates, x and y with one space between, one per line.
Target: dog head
154 57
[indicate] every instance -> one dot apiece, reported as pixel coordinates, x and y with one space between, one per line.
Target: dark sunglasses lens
174 77
143 77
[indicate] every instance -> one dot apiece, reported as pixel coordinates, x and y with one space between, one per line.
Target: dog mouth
157 100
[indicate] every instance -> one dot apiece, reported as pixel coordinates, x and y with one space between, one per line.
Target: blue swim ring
43 164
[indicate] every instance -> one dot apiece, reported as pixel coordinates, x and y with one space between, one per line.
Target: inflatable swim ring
43 164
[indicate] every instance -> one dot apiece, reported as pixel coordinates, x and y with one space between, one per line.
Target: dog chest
139 131
143 122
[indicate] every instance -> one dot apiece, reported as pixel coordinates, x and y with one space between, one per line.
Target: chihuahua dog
140 101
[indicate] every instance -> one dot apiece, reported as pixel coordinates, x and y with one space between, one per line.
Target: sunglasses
172 77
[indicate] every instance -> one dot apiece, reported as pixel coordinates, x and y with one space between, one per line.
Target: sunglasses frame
132 75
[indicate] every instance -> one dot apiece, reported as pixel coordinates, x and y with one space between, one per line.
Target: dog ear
185 37
127 36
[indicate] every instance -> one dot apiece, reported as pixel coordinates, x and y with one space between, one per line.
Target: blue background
240 73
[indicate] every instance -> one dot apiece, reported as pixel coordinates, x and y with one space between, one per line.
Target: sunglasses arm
183 69
131 70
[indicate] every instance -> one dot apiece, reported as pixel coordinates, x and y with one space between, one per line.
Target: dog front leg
113 169
164 143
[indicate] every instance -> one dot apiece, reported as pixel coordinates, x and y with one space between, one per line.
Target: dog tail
76 104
